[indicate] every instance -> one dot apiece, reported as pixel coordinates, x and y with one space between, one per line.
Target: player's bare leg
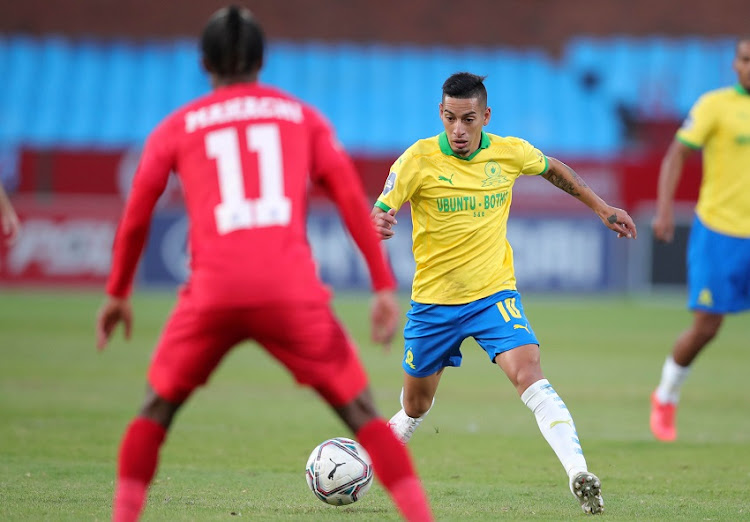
417 398
139 456
390 459
523 368
675 371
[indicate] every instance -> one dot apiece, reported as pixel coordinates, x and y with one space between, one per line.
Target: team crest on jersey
390 182
494 175
705 297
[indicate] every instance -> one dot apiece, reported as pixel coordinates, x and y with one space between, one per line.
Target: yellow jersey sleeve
697 127
402 182
534 161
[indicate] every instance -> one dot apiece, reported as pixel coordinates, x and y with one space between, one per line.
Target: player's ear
487 115
440 109
204 64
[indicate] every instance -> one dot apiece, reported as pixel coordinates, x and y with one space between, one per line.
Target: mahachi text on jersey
243 108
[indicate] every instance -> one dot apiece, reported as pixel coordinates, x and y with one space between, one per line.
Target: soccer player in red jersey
245 154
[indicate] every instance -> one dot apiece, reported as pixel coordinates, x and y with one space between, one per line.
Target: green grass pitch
238 450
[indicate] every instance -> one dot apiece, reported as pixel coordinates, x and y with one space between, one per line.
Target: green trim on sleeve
382 206
546 166
688 143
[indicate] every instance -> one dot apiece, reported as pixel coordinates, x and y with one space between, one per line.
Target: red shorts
305 337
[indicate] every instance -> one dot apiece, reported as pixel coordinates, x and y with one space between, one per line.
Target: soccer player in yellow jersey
718 256
459 185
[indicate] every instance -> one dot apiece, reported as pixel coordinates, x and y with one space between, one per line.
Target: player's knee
706 327
525 376
158 409
358 412
417 405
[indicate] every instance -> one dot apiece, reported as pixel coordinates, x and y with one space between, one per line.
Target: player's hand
384 222
113 311
618 220
10 225
663 226
384 317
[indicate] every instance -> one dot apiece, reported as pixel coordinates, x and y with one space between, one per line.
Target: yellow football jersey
719 123
459 211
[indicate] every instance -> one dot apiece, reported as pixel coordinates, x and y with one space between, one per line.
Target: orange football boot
662 419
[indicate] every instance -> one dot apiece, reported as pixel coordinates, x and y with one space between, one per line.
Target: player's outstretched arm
566 179
112 311
384 222
669 177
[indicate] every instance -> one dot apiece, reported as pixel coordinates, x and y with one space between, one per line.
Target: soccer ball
339 471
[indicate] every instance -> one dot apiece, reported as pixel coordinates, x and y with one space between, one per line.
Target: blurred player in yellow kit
459 185
718 256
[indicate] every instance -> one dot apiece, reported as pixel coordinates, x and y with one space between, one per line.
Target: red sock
393 466
136 466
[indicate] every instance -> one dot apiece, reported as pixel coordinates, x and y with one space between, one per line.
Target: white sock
556 425
672 377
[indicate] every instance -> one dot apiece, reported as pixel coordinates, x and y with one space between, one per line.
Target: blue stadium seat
85 94
151 91
380 98
282 66
504 91
314 76
19 96
627 61
187 77
47 121
377 101
120 76
347 70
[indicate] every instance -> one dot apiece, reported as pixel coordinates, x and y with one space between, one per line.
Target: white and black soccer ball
339 471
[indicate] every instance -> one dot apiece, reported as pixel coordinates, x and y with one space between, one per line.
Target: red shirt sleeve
334 171
148 184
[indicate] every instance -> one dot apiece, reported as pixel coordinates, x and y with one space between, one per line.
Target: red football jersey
245 155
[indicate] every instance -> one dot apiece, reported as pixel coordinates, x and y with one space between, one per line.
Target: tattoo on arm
612 219
569 186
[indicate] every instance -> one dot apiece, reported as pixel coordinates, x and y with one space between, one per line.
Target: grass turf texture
238 449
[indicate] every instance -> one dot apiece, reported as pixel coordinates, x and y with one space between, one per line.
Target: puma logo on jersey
519 326
449 180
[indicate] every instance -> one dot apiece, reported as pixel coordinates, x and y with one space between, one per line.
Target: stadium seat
120 89
84 95
18 88
46 122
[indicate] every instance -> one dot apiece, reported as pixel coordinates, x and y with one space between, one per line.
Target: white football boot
403 426
587 488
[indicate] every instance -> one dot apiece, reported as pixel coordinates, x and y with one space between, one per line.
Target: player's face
742 64
463 119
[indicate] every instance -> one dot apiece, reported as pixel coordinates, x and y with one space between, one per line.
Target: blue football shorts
433 333
718 268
